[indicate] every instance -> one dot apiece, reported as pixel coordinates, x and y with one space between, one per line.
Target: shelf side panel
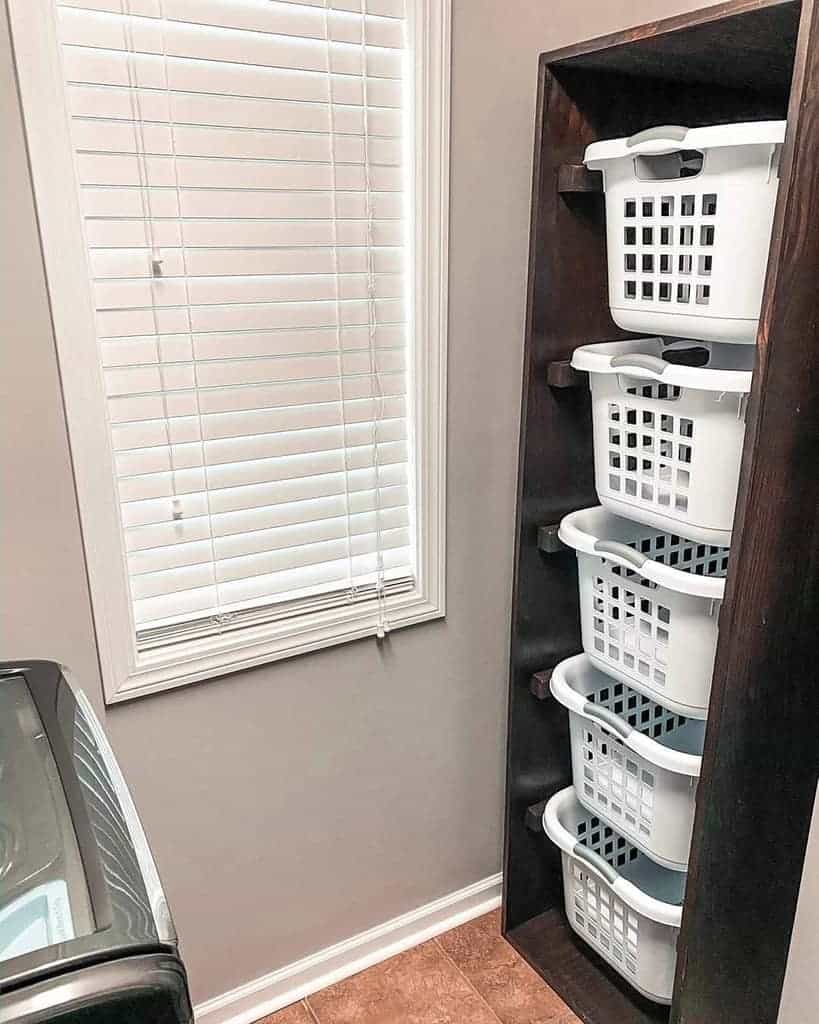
567 306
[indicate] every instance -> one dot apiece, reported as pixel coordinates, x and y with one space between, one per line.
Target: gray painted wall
294 805
800 994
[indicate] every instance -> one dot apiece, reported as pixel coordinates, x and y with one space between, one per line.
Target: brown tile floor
467 976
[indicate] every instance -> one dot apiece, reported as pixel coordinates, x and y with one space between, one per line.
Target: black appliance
86 936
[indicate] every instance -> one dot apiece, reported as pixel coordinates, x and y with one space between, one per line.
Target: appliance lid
77 882
44 897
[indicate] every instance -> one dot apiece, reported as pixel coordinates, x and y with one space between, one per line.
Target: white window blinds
246 197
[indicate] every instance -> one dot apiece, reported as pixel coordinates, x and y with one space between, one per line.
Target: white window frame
127 673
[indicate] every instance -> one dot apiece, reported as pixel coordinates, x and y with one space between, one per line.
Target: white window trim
127 674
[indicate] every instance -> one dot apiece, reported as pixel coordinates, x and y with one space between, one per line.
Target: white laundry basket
688 225
635 763
649 606
622 903
668 438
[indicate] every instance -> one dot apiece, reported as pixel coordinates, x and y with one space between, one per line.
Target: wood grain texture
744 44
762 755
554 478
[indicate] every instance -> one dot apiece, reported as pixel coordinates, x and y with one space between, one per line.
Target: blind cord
383 625
155 272
352 590
220 618
155 259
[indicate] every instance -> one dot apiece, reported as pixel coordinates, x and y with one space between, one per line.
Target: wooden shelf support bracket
577 178
548 542
561 374
539 684
534 816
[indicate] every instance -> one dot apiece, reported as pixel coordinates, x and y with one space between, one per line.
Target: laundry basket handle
621 551
663 139
608 719
640 361
594 860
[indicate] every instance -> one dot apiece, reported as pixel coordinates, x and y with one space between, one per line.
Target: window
243 210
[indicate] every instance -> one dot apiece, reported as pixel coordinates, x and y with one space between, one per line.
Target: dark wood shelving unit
740 61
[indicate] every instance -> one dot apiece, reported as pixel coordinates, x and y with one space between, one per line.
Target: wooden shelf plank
596 993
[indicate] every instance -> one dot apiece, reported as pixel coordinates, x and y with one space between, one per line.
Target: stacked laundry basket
689 216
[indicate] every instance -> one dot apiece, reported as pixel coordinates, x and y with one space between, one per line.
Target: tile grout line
466 979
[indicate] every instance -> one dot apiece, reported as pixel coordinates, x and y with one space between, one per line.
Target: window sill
199 660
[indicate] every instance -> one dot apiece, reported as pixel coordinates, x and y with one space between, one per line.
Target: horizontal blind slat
112 170
88 66
222 291
257 317
126 264
233 233
238 345
94 136
222 204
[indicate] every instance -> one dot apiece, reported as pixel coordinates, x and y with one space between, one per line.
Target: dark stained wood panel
615 104
747 45
596 993
555 477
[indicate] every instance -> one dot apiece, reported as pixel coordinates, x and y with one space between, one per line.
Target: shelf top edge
573 54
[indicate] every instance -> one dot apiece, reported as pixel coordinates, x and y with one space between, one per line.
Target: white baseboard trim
256 999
